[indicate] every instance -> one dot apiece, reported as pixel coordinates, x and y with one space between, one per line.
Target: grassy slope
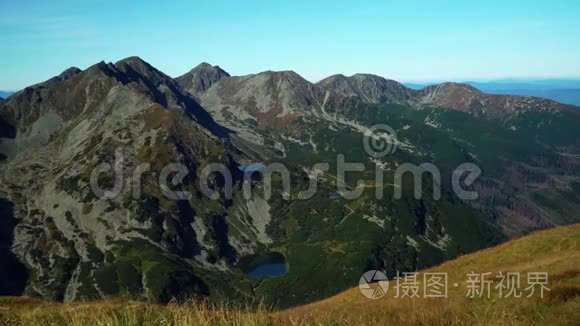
555 251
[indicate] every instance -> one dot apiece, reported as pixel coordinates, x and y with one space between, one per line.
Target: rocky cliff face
80 245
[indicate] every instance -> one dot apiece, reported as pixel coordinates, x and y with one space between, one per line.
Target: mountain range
62 242
5 94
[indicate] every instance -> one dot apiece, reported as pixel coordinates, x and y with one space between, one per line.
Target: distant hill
565 91
5 94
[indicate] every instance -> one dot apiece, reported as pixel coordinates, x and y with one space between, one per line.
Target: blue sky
403 40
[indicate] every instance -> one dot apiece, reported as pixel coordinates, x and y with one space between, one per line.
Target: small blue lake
263 270
254 167
270 264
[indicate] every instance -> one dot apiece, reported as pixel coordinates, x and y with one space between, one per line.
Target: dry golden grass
555 251
127 313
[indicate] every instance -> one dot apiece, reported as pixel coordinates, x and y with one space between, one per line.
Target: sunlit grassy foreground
117 312
554 251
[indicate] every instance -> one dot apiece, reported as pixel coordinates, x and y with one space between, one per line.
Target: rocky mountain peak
466 98
282 73
65 75
334 81
135 67
200 78
68 73
163 88
369 88
100 68
453 87
284 78
270 98
209 68
132 61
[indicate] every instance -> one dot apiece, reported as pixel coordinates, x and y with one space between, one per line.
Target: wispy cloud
57 30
